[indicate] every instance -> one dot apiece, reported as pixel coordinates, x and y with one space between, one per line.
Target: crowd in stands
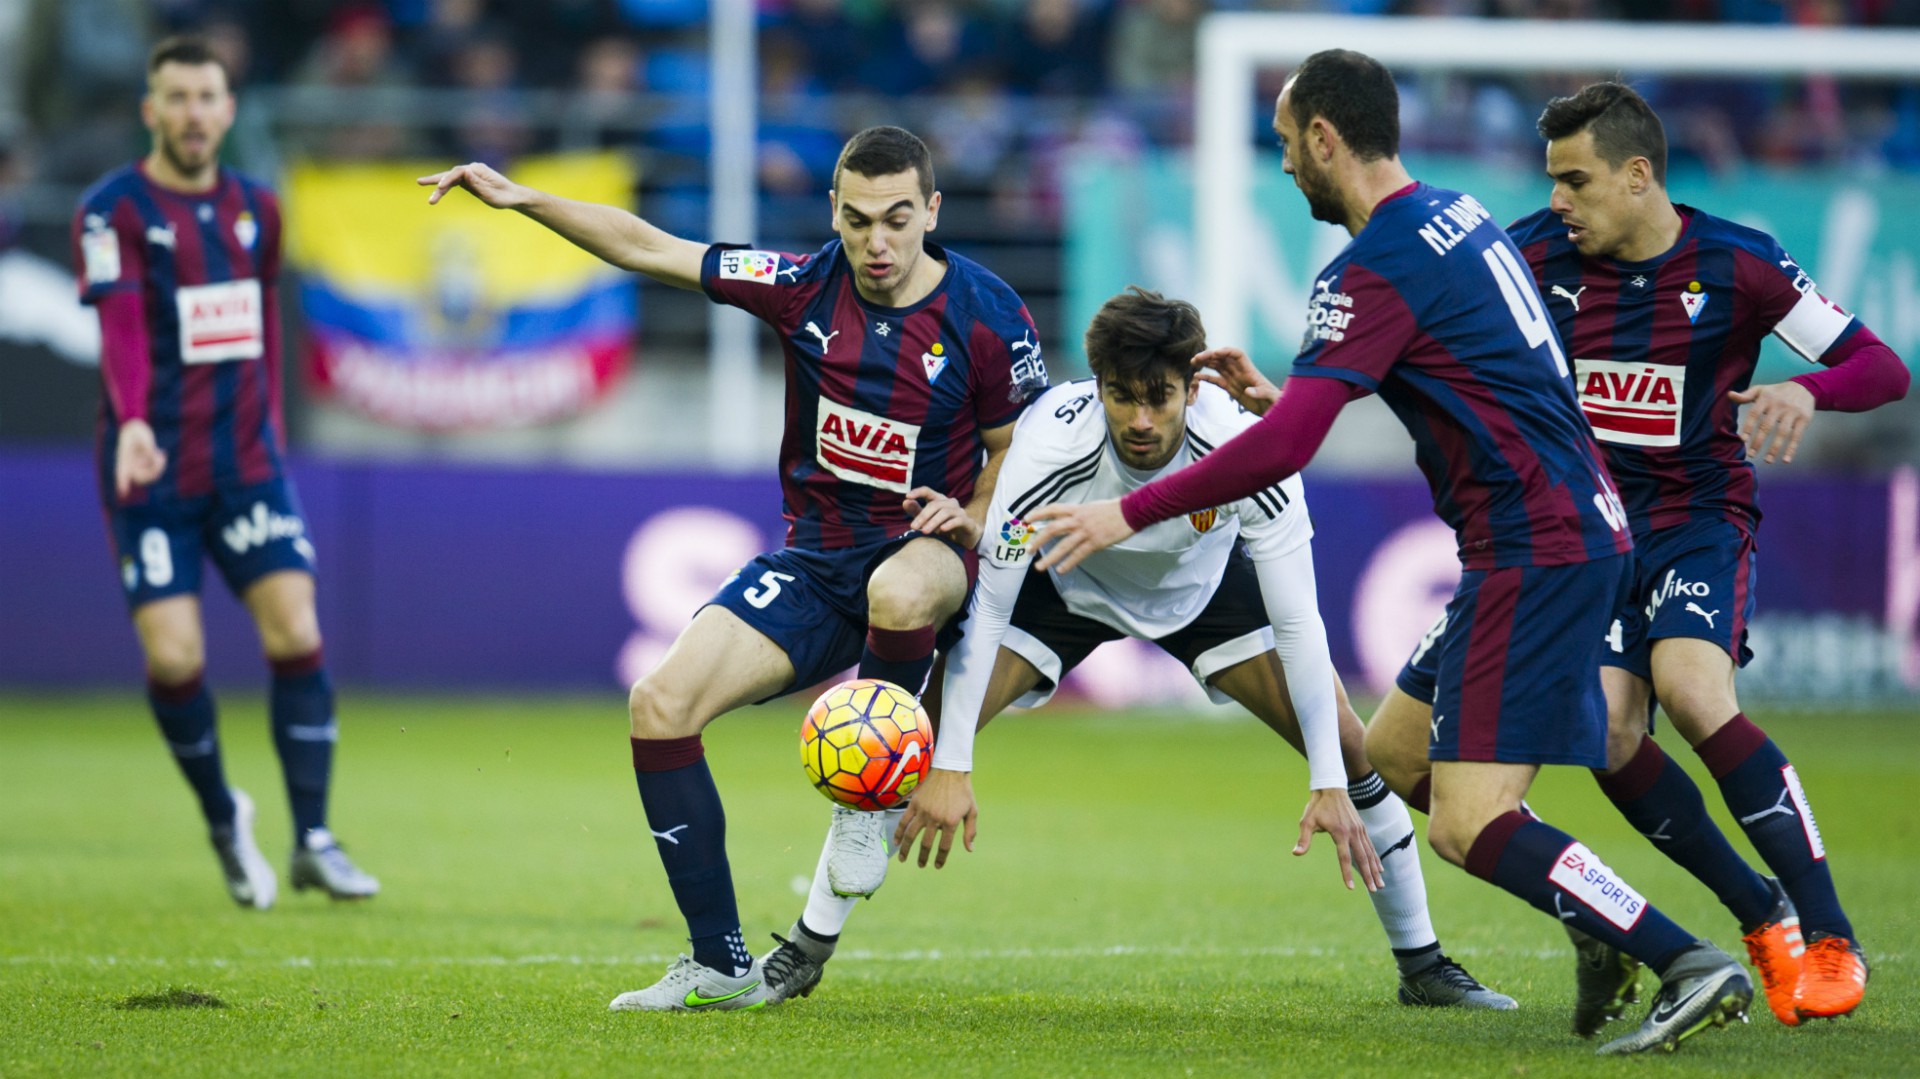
1000 86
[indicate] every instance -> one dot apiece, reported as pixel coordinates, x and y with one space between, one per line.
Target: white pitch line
856 955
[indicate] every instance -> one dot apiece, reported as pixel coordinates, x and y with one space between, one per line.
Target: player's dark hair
1140 337
884 151
1353 92
1624 126
188 49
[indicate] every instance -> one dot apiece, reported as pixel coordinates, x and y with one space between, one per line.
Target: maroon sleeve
1279 445
114 283
1006 373
765 284
1859 373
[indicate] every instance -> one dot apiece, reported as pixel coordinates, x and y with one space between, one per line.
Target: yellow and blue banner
456 315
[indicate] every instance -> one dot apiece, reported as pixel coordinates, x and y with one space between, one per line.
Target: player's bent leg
718 663
1762 789
796 966
910 594
1396 745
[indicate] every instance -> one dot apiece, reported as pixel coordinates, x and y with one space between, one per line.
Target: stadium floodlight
1234 46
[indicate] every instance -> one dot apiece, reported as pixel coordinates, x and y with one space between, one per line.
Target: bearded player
906 366
181 257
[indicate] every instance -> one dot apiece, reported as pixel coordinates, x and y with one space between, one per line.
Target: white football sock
1402 904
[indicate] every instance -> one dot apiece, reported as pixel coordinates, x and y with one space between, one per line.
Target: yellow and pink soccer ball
866 744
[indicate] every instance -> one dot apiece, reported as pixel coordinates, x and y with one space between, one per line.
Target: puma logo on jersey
1694 608
825 338
668 834
1571 297
791 271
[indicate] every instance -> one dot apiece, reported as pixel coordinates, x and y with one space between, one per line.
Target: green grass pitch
1131 909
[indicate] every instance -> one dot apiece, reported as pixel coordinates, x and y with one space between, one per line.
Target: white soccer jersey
1156 581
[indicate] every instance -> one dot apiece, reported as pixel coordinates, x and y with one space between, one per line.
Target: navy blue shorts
813 604
249 532
1518 665
1417 677
1692 580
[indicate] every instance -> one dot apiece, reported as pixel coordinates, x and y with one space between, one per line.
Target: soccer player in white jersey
1229 591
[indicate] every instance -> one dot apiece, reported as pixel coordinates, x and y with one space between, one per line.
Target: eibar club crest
1694 299
245 229
1203 520
934 360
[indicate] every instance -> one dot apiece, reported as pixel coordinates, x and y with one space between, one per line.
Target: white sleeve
1300 637
970 664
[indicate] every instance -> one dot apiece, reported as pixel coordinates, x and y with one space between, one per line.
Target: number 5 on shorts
767 590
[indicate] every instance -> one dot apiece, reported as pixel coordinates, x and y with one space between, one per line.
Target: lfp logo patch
761 266
1014 534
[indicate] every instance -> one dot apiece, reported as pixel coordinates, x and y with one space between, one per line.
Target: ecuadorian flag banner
456 315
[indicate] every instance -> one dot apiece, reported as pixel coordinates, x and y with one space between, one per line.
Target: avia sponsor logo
760 266
220 322
1451 225
1585 877
1632 404
1204 520
861 447
1674 586
261 526
1014 536
1329 313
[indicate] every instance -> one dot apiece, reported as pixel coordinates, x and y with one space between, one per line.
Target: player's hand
1781 410
137 459
485 184
939 808
1330 810
1232 371
1068 534
935 514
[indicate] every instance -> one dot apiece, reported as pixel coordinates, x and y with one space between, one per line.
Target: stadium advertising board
461 318
1131 222
442 577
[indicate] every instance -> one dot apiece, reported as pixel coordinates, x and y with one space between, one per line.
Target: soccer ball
866 744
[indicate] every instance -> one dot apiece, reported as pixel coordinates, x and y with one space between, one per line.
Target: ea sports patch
1585 877
760 266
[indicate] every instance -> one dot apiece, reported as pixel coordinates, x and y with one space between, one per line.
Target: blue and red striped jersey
1431 308
191 336
880 400
1657 346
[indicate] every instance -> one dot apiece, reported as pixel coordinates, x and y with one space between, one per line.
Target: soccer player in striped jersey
1229 591
906 366
1430 307
1663 308
181 257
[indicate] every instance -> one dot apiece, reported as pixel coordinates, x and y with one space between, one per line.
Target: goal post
1234 46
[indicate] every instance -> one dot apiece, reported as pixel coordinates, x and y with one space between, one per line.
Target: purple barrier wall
455 577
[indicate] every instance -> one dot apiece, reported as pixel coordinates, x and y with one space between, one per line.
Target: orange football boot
1833 978
1774 946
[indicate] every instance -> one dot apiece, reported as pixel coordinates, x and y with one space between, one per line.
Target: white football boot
250 880
318 862
858 846
694 987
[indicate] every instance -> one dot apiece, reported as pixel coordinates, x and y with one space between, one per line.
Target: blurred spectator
798 146
357 53
924 45
86 68
604 110
828 38
491 125
1055 49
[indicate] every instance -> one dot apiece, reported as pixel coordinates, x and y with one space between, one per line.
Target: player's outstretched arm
1231 370
610 233
942 807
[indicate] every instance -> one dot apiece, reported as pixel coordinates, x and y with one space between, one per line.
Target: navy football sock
690 829
301 705
1661 802
1764 793
186 716
900 656
1560 876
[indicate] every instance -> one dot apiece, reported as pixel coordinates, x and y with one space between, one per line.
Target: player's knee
292 634
894 602
1699 711
653 712
172 661
1623 741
